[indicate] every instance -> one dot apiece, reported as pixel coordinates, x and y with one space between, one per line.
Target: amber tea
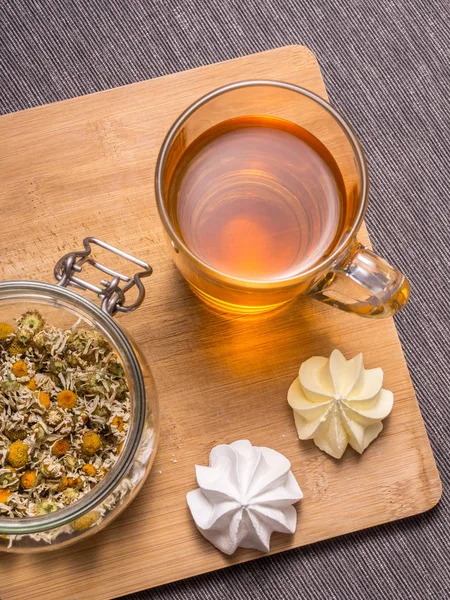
258 198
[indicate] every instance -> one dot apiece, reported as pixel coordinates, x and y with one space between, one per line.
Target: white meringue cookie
245 495
337 402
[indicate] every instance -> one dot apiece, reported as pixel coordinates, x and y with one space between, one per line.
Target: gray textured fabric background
386 65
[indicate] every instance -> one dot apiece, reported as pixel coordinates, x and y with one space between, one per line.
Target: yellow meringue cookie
337 402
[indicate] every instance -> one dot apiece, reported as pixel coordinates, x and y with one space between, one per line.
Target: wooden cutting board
85 167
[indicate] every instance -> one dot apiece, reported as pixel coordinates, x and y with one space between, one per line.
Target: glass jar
63 309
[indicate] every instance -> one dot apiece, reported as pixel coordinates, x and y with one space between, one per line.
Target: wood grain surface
85 167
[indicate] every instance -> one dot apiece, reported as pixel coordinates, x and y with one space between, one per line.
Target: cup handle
364 284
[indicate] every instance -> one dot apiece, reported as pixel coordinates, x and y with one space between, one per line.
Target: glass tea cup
347 276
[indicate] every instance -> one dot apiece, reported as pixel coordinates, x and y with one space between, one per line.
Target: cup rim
177 241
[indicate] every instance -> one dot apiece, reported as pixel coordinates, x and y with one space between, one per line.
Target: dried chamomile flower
88 345
43 399
69 496
15 433
32 384
45 507
55 417
20 369
4 495
66 399
63 483
74 482
51 468
89 470
28 479
91 442
60 447
85 521
17 348
8 476
93 384
56 366
29 325
39 340
32 320
70 462
18 454
6 332
117 423
39 433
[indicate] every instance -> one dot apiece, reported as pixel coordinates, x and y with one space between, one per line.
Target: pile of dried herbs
64 414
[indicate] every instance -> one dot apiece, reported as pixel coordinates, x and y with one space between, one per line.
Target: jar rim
47 293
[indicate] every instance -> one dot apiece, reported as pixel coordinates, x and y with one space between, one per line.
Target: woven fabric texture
386 64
